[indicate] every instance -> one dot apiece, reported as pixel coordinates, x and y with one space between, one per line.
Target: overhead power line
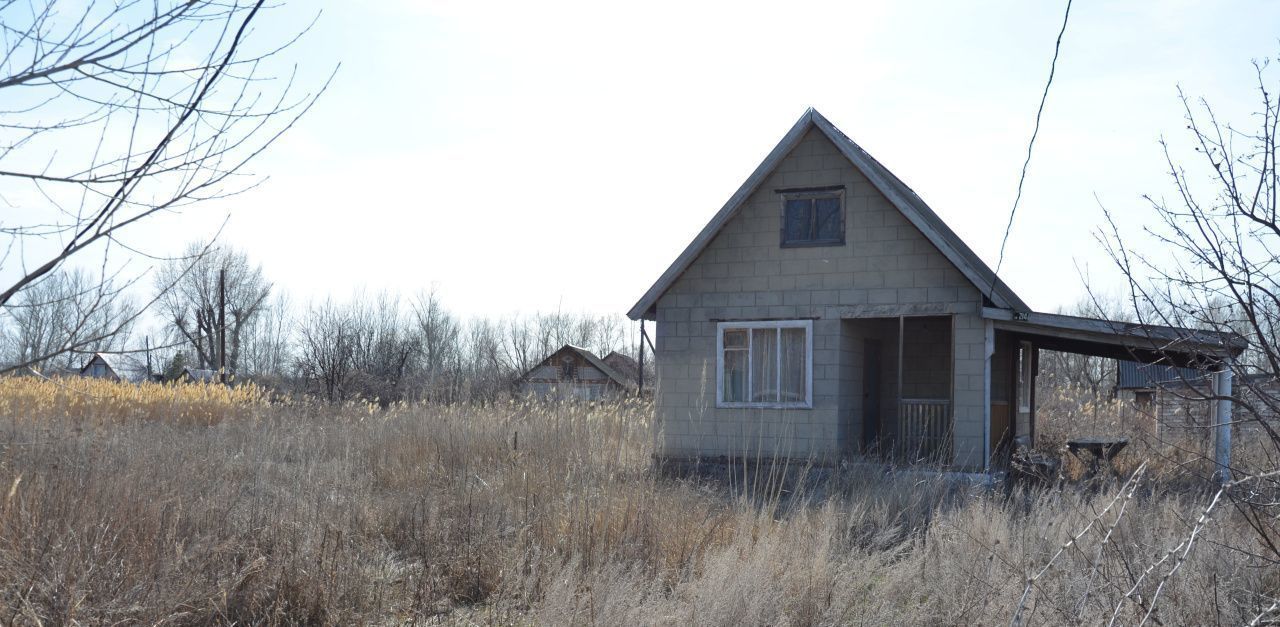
1057 47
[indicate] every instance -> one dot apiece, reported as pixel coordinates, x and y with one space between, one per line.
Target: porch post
897 422
989 349
1222 422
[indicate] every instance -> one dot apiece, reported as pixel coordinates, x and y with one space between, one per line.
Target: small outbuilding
1169 395
573 373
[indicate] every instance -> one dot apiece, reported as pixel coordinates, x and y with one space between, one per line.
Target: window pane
828 220
794 365
764 365
797 220
735 376
735 338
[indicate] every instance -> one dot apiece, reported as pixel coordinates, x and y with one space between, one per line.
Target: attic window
813 217
568 368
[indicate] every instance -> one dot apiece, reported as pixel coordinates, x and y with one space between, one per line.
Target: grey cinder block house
826 312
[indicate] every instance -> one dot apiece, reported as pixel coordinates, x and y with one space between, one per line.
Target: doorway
871 369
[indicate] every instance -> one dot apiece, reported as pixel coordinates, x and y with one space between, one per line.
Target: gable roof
198 375
899 195
124 366
623 364
590 357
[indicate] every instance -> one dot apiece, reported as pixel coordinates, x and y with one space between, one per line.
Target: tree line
384 346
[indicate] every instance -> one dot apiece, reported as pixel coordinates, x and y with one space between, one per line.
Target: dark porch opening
898 382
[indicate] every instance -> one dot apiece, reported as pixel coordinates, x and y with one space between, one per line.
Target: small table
1101 449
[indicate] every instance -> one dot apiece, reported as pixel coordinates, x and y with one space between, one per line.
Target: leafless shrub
1215 268
52 323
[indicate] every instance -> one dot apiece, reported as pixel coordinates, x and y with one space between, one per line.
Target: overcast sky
529 156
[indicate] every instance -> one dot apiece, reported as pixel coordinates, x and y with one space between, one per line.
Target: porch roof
1146 343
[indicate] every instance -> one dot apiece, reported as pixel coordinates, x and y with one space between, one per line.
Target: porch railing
925 429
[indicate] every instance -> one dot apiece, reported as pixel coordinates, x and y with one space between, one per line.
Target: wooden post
1222 423
988 350
902 325
640 387
222 326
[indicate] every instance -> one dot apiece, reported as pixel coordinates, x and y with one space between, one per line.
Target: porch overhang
1120 340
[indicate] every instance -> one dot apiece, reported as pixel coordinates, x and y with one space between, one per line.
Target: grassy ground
268 514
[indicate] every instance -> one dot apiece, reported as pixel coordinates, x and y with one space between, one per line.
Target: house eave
1143 342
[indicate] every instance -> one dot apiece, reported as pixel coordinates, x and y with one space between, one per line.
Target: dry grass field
193 505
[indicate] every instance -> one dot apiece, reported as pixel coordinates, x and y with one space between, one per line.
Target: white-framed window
764 364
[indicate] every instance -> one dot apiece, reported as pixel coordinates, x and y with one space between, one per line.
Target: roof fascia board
1110 332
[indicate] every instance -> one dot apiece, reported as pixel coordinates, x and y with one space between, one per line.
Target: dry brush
519 513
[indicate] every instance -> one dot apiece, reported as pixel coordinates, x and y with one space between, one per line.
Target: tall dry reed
527 513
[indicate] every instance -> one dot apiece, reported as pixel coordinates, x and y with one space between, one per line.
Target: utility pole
222 326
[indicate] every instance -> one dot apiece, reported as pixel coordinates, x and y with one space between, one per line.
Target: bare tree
385 347
114 112
365 348
1217 268
326 350
267 340
65 312
1095 375
437 332
191 298
488 374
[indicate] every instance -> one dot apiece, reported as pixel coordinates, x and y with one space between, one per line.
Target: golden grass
104 401
541 514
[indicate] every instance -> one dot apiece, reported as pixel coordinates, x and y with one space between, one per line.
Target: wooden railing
924 429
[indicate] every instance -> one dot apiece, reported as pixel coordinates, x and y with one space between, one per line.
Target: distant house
116 367
827 313
197 375
573 372
1178 397
1139 382
1172 396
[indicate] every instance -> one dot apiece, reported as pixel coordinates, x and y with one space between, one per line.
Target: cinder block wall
886 267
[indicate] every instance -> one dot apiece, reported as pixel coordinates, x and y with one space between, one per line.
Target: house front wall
886 268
